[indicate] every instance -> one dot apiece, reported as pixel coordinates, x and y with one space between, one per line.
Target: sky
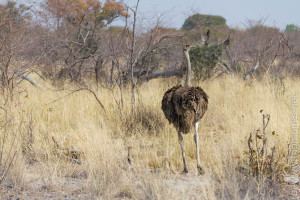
277 13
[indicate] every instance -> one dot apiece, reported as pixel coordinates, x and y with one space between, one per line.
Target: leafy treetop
199 20
292 28
81 10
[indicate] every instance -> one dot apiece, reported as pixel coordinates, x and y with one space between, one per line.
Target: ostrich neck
188 70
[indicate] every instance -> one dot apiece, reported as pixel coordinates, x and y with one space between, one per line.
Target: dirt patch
179 185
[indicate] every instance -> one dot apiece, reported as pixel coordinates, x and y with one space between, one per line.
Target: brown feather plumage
183 106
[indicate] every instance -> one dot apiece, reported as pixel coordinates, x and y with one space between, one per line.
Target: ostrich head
187 48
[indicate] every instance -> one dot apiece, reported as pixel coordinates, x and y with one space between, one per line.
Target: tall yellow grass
79 121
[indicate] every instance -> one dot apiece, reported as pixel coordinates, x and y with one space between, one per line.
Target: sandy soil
35 188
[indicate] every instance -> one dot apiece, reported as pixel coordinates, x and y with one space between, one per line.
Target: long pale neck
188 70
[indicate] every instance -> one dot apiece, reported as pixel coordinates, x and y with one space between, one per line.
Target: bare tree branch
250 72
30 80
226 66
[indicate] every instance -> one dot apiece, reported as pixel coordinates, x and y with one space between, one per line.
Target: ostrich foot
185 171
200 171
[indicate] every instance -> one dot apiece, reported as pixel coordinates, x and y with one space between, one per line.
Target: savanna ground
39 171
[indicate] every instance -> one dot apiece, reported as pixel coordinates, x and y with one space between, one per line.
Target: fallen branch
67 154
97 99
30 80
74 91
164 74
226 66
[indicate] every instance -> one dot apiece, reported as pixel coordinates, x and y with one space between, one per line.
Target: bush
204 60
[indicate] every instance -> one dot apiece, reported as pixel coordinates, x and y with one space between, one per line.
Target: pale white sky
277 13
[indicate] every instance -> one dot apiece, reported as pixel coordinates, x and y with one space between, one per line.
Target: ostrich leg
180 139
200 170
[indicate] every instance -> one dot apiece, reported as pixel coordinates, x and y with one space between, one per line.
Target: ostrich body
184 106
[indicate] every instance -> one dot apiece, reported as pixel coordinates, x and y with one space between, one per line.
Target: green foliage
292 28
199 20
204 60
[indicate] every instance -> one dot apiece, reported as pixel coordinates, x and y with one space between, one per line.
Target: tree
79 36
197 21
260 50
138 55
292 28
79 11
204 59
16 41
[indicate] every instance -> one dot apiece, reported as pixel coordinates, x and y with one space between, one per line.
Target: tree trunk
112 71
132 62
98 68
133 96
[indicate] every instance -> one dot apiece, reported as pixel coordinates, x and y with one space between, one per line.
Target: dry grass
104 138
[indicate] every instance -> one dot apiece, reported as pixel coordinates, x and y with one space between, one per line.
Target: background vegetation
80 105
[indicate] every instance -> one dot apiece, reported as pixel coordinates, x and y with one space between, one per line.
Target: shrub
204 60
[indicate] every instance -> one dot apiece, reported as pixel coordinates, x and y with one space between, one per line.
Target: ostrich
184 106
